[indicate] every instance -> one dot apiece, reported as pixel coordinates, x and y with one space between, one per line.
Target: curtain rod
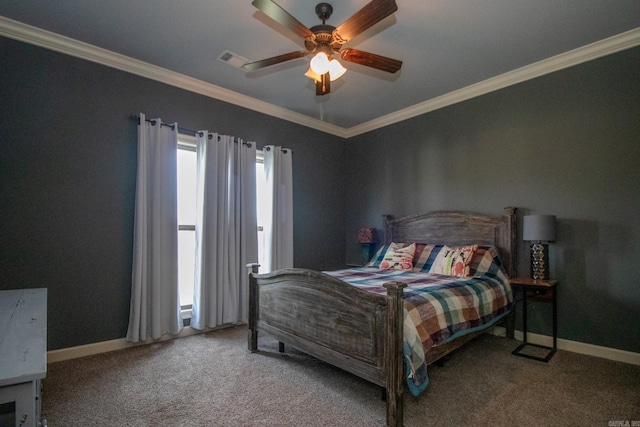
184 130
153 121
284 150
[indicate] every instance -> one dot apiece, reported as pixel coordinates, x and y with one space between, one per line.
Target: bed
360 326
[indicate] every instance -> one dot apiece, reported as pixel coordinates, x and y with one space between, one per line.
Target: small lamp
539 229
367 240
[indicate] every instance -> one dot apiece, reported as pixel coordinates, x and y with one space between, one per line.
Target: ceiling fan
326 40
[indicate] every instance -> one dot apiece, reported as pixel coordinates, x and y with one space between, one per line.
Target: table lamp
539 229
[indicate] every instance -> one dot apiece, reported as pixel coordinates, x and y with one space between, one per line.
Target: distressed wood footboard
350 328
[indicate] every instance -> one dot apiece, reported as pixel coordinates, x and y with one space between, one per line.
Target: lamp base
366 252
539 261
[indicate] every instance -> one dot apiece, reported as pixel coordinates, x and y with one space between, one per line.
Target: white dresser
23 352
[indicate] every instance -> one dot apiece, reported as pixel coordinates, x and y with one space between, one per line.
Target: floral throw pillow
398 257
454 261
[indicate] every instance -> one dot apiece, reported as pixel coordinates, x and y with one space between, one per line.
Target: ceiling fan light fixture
320 63
313 76
336 70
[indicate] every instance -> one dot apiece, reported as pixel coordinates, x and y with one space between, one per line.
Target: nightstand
537 290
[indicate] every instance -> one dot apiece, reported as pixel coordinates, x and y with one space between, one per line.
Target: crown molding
608 46
56 42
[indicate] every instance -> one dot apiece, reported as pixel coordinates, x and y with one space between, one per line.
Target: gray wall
67 182
566 144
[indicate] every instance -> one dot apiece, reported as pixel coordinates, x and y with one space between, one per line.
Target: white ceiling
451 49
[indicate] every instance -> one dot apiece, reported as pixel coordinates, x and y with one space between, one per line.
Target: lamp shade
539 228
336 70
320 63
367 235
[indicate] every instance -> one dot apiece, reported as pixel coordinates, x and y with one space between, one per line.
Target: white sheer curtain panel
226 229
155 301
279 227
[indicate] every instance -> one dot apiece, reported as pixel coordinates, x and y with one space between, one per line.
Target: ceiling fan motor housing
324 39
324 11
323 36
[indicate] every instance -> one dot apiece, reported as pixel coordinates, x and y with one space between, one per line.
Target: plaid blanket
438 309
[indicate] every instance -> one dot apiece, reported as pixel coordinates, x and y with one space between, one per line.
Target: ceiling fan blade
371 60
374 12
278 14
256 65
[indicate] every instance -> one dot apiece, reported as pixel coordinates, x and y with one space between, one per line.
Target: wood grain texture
318 314
455 228
358 331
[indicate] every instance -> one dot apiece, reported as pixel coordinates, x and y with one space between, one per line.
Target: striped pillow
425 258
486 261
377 258
398 257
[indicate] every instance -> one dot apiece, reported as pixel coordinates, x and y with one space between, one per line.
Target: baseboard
112 345
574 346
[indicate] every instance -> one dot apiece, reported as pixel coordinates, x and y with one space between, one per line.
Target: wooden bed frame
356 330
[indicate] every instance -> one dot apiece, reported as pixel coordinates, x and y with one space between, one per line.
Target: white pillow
398 257
454 261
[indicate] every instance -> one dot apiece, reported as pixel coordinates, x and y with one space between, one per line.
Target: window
261 194
186 218
187 170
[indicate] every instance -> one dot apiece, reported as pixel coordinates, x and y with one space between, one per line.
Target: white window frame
260 159
187 143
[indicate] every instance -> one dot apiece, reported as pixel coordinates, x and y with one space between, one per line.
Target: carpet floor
212 380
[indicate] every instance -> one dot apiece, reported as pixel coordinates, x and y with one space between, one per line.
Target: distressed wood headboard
459 228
